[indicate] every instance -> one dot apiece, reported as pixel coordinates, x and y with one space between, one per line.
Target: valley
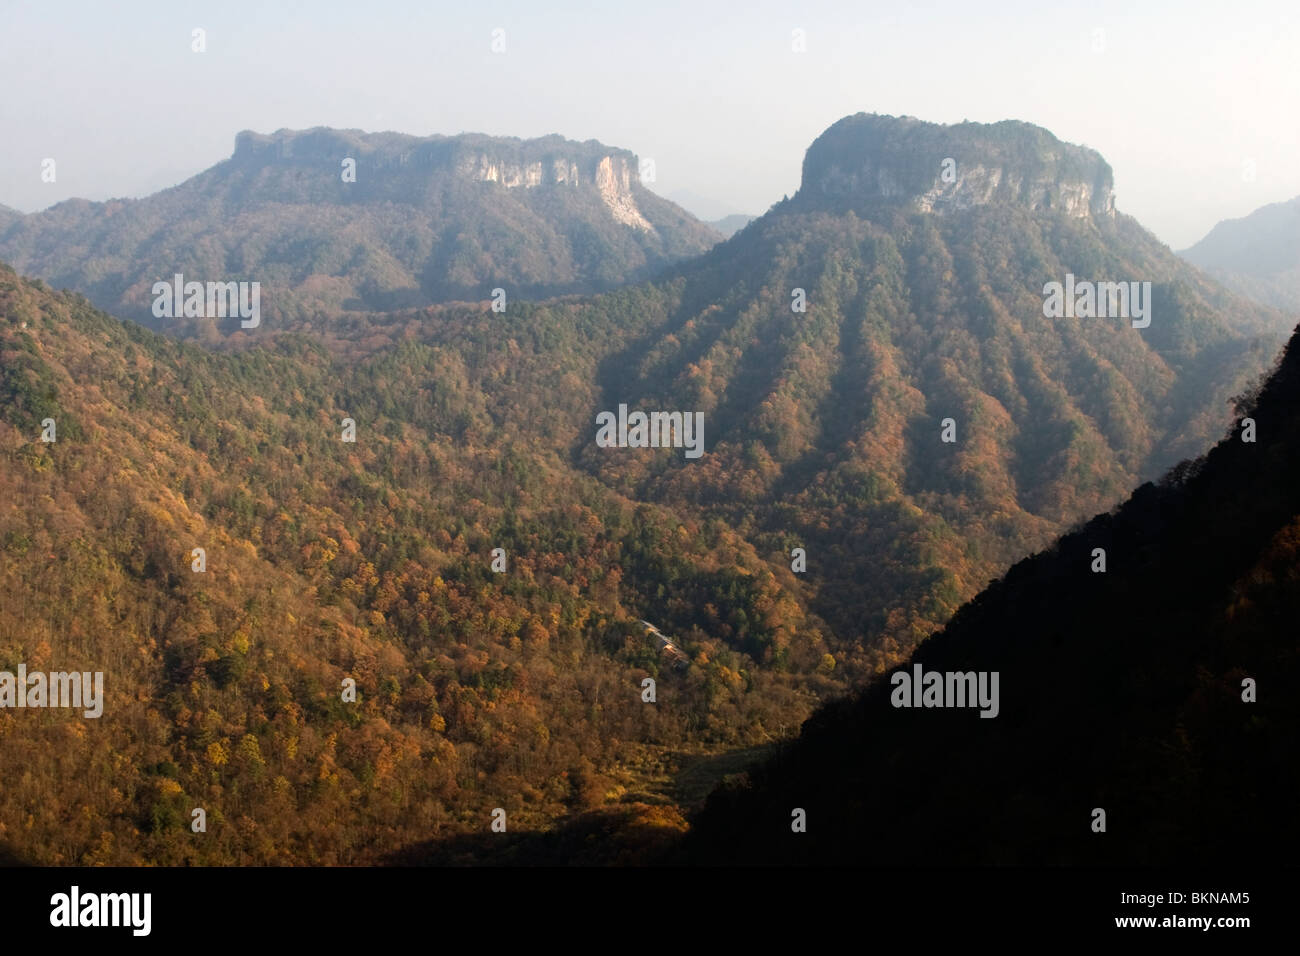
473 552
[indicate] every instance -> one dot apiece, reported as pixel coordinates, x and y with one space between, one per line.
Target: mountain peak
868 161
546 160
349 220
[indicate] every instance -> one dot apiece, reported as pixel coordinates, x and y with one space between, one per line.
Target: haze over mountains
832 346
1257 255
422 220
730 225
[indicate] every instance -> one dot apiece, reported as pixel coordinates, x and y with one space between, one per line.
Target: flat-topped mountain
888 416
868 160
882 384
336 220
399 168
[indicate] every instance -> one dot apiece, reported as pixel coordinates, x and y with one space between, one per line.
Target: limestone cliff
507 161
867 161
332 221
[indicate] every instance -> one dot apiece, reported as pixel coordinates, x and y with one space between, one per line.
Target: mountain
1162 692
924 318
518 687
703 207
828 350
730 225
425 220
1257 255
8 217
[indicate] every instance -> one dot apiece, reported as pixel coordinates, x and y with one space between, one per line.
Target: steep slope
1257 255
823 429
924 313
325 560
1124 691
421 221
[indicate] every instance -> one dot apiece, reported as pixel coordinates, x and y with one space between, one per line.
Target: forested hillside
889 421
827 344
411 221
327 560
1162 691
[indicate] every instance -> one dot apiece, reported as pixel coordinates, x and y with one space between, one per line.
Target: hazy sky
1180 99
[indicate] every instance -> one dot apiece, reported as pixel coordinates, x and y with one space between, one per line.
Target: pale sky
1184 99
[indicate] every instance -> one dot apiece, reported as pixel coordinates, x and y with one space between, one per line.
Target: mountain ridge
414 221
913 318
1130 731
828 528
1257 255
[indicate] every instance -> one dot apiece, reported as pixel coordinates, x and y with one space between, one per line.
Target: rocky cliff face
1257 255
614 178
331 221
867 161
512 163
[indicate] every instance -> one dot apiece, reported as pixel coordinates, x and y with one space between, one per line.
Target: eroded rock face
867 161
512 163
485 169
614 177
333 221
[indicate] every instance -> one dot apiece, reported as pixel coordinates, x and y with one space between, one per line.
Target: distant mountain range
338 220
1257 255
730 225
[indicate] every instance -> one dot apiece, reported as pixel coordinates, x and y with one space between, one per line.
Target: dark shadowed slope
1120 690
